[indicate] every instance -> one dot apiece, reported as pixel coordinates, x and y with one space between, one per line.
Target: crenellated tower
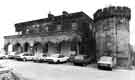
112 33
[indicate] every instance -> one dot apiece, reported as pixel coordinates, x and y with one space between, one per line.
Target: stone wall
112 34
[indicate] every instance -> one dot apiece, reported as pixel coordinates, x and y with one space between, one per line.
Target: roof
55 18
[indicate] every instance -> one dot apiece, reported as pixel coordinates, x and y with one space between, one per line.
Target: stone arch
26 47
45 48
37 48
17 47
8 47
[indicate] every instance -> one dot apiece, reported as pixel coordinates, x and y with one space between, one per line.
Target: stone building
112 33
64 34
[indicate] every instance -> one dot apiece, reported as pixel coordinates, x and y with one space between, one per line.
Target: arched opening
52 48
45 48
37 48
8 47
26 47
17 48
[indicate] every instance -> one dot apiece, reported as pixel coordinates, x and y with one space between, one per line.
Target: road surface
44 71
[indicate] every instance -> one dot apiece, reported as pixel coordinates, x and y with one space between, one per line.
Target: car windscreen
55 55
61 56
27 54
106 58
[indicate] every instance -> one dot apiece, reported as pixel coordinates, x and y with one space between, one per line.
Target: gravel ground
44 71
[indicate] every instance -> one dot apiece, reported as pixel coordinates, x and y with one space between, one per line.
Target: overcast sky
15 11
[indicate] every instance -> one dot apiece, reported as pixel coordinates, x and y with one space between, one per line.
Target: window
59 27
33 26
90 26
37 25
44 24
74 26
46 28
58 47
73 47
27 30
122 21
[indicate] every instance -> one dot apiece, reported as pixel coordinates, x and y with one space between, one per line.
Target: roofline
48 18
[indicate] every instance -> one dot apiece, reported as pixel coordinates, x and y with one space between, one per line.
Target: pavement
43 71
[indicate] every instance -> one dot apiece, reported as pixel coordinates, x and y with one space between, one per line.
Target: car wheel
37 61
58 61
34 60
110 69
24 59
99 67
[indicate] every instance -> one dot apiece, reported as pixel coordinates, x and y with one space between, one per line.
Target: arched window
37 48
45 48
46 28
8 47
17 47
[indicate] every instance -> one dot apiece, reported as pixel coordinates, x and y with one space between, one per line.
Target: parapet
112 11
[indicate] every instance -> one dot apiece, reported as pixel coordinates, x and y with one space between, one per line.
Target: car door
61 58
30 56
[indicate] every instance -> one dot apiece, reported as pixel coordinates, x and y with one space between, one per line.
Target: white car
3 56
25 57
106 62
39 58
57 58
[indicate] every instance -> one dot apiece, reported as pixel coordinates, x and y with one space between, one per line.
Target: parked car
106 62
57 58
80 59
17 56
3 56
11 55
39 58
25 56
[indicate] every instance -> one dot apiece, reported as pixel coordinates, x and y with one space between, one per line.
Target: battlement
112 12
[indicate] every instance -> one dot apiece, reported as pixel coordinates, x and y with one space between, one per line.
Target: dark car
81 60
